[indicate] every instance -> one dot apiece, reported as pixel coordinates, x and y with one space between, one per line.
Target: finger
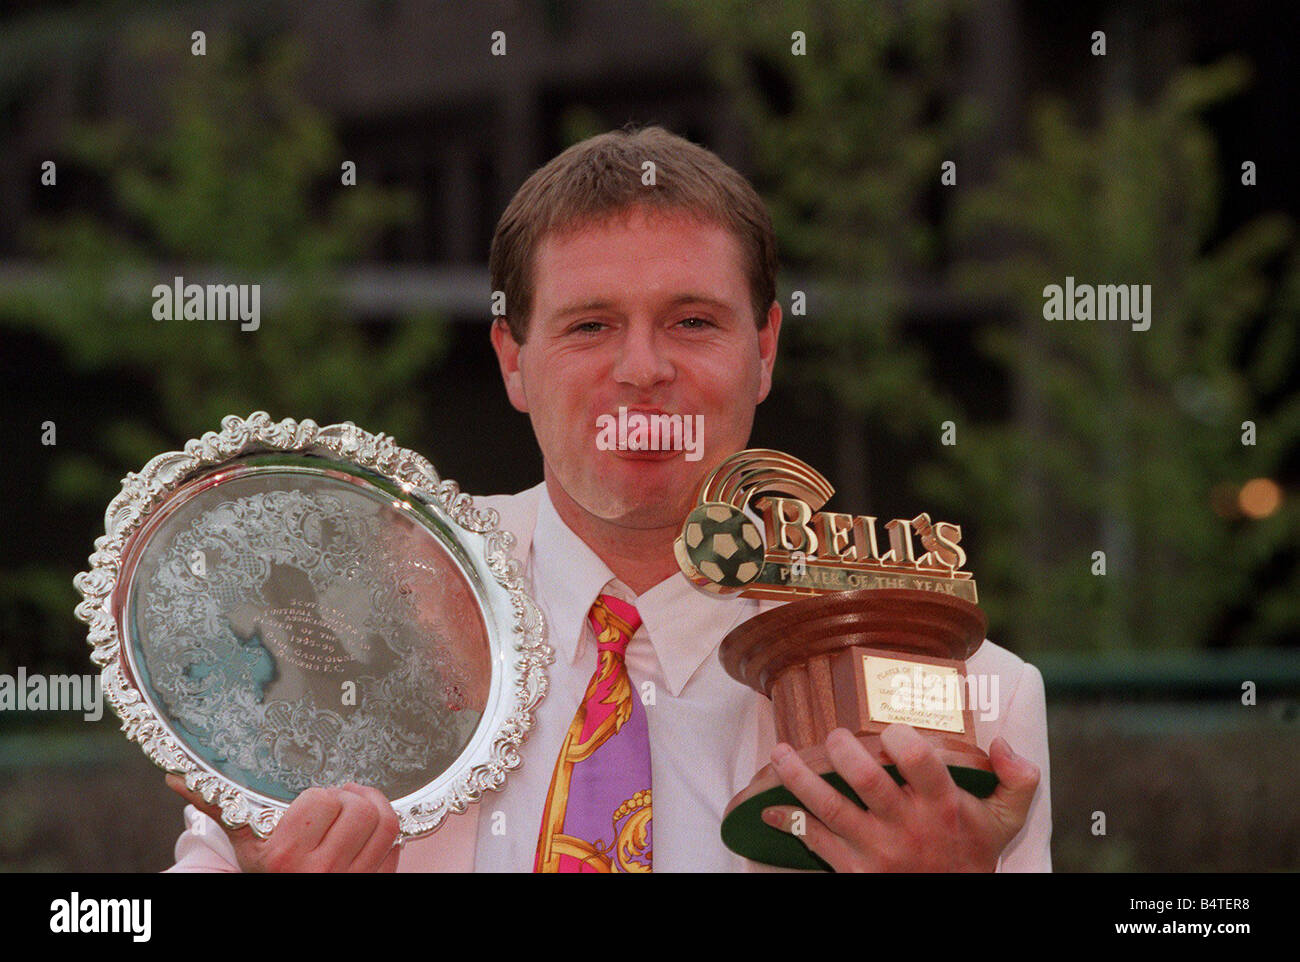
816 837
821 799
866 776
386 834
177 784
374 796
917 761
348 835
390 862
309 817
1018 779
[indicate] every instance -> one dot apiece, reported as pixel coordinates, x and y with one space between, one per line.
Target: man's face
649 311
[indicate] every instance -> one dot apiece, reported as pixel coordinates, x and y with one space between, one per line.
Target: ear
767 339
503 342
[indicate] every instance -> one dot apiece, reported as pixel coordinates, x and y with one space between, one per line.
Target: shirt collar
684 624
567 576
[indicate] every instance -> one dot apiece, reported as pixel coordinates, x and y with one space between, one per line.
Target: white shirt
698 716
709 734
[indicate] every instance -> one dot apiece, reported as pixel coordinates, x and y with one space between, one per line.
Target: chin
651 516
643 506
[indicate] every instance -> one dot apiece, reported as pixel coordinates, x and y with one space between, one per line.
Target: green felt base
745 832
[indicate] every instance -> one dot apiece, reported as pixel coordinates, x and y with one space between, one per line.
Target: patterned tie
597 814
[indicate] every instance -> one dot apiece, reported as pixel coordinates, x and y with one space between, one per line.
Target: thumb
1017 783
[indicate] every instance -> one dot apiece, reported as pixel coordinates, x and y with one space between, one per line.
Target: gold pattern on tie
600 789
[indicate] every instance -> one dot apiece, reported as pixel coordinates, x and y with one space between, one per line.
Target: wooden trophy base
815 659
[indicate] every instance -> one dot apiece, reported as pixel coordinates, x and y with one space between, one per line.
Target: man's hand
348 829
926 825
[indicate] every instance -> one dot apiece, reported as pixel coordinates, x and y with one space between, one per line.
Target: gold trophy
879 624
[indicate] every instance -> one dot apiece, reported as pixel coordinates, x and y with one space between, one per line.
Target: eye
587 327
695 323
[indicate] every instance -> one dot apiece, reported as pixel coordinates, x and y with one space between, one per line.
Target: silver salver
282 605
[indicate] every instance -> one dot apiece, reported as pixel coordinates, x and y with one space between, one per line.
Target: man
659 298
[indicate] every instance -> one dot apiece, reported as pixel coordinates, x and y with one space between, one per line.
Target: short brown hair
599 178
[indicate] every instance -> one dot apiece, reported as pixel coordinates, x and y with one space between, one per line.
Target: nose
641 360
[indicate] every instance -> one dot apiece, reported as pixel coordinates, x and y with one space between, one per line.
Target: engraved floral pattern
212 673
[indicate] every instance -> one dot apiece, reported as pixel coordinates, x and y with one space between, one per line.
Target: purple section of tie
618 769
611 776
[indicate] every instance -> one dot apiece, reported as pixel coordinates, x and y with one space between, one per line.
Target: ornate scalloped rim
382 455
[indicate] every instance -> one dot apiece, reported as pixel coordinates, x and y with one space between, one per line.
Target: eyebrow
601 304
583 306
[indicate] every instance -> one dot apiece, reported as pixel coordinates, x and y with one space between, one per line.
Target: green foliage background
1120 438
1129 433
224 189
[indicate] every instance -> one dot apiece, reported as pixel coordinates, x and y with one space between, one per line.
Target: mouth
646 455
646 433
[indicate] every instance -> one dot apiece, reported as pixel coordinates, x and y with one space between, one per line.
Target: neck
639 557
